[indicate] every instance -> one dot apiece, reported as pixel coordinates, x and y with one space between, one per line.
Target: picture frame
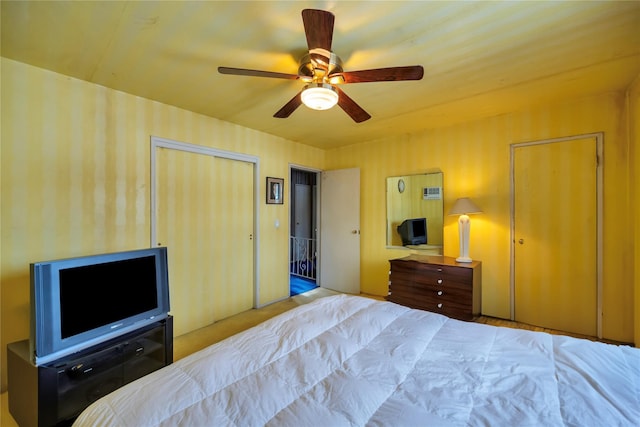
275 191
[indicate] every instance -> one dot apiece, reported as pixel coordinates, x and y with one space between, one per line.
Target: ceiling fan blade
318 27
391 74
289 107
256 73
350 107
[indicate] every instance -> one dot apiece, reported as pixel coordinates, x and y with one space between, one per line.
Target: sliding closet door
204 215
555 235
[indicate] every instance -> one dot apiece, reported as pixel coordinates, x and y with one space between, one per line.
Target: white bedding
346 360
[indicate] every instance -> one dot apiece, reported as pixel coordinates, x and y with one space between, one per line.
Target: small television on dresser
413 231
79 302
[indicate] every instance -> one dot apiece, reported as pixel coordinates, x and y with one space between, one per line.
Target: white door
302 211
340 230
302 218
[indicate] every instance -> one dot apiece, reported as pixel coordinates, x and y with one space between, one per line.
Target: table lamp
463 207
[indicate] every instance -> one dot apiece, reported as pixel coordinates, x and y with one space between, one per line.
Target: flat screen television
413 231
79 302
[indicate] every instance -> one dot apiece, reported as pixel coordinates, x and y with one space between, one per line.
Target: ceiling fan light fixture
319 96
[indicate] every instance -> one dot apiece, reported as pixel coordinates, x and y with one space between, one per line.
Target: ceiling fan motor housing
316 69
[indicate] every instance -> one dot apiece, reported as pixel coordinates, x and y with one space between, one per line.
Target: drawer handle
440 292
440 270
440 305
439 281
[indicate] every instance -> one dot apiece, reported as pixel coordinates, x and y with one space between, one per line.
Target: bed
348 360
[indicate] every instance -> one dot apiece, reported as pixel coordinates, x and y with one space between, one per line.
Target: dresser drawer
421 274
430 274
452 308
457 293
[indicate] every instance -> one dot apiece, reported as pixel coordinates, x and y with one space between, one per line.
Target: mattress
348 360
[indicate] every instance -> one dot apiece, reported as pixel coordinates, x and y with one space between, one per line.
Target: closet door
204 215
555 235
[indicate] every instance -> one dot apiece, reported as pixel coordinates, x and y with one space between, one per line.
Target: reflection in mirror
411 198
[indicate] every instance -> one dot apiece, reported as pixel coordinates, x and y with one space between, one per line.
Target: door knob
521 241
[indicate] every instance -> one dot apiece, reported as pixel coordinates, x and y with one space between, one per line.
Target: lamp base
463 259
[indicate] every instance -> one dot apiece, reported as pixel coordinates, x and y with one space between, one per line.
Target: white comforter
347 360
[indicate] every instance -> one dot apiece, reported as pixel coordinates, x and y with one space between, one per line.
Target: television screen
419 229
124 288
413 231
79 302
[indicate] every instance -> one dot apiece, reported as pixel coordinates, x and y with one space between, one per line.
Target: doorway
557 233
303 240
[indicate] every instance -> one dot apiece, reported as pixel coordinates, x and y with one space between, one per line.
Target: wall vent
432 193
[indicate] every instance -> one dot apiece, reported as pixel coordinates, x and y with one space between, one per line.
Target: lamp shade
319 96
464 205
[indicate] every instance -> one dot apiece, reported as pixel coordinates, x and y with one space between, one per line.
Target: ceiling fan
322 70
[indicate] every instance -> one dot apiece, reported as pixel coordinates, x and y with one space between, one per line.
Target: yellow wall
474 158
76 175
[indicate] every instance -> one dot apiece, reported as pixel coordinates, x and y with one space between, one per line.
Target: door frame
157 142
318 173
599 138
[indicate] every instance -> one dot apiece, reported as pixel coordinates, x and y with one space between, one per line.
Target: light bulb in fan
319 96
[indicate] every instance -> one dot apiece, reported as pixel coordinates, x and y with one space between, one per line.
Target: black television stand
56 392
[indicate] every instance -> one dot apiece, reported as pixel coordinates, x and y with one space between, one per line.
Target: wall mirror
415 209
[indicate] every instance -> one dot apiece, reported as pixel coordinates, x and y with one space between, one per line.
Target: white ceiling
480 58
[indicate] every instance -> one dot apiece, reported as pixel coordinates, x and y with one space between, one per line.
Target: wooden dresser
438 284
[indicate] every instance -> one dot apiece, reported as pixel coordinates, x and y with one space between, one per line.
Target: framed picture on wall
275 190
